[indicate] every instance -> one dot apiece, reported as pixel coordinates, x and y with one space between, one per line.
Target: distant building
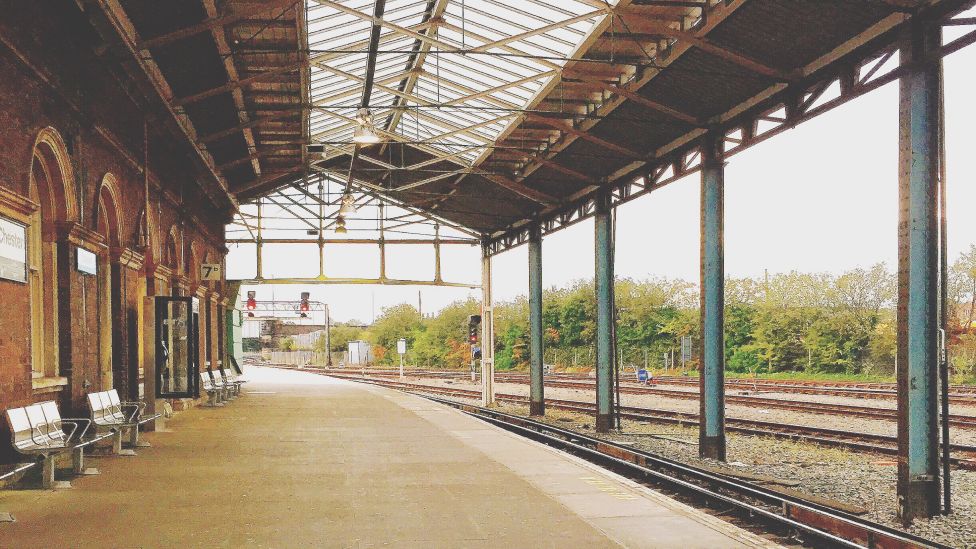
360 353
304 335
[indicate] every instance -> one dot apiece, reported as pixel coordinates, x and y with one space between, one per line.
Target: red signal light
474 323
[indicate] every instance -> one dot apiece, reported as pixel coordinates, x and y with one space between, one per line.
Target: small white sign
685 347
13 250
87 261
402 346
210 271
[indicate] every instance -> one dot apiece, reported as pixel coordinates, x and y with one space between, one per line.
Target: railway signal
303 306
251 303
474 323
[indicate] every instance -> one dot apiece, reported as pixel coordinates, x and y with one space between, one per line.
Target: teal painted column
603 233
918 273
711 430
537 406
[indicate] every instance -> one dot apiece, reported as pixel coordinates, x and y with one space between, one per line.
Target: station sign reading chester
13 250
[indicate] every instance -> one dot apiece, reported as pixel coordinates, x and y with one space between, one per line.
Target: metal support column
259 243
537 405
382 245
487 332
603 238
321 201
711 429
437 254
918 273
328 337
321 257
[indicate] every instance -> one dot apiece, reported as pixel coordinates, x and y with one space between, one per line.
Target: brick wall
53 81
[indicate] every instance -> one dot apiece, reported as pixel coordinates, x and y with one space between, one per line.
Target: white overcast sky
820 197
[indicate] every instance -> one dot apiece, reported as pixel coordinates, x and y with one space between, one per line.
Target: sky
821 197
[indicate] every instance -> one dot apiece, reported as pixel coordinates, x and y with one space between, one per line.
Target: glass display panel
176 364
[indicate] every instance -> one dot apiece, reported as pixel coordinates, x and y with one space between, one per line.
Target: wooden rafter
717 14
216 22
232 76
571 130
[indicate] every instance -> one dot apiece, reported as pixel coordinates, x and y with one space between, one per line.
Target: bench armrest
76 423
59 425
137 408
34 440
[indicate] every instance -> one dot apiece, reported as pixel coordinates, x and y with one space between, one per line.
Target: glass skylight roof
450 76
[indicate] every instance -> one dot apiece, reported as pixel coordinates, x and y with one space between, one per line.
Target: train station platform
301 460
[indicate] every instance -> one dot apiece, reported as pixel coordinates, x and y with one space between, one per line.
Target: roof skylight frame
446 78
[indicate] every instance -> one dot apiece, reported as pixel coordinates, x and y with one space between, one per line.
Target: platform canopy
494 115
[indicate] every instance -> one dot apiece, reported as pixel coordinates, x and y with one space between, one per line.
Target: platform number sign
210 271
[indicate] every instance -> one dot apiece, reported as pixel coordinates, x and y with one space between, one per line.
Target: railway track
960 394
792 517
964 455
755 506
888 392
824 408
755 401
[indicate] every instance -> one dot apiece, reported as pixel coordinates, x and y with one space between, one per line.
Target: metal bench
237 380
136 418
231 375
82 441
38 430
109 413
212 390
231 388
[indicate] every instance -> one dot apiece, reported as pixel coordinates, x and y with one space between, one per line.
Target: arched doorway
51 186
110 226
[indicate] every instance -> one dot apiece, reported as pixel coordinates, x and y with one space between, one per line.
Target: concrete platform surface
308 461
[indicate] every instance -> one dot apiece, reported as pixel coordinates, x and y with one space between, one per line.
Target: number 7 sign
210 271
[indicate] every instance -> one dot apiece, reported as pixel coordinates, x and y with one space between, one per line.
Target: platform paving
303 460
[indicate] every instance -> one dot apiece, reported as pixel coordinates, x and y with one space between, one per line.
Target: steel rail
795 515
757 401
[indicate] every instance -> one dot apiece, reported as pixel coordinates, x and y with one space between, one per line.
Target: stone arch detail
55 188
109 206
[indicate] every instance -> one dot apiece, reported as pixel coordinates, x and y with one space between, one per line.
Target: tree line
813 323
